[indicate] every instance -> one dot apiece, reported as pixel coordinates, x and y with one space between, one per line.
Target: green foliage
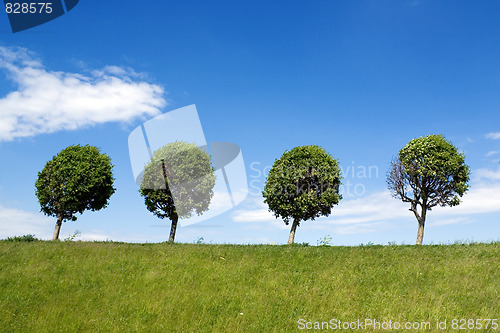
23 238
303 184
429 171
432 172
118 287
79 178
180 171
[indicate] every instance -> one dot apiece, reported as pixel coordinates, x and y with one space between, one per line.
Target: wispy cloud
361 228
92 236
47 101
379 210
16 222
452 221
491 153
256 211
483 174
481 198
493 135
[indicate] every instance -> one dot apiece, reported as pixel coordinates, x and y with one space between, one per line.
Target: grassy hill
117 287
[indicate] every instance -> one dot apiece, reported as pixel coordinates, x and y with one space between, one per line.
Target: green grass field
118 287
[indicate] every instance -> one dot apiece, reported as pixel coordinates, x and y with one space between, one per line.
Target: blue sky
359 78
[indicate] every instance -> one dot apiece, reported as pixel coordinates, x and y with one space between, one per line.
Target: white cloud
493 135
90 236
379 210
452 221
375 207
360 228
482 198
491 153
49 101
257 212
378 206
253 215
16 222
486 174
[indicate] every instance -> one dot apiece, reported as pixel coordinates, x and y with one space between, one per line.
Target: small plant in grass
24 238
325 241
73 235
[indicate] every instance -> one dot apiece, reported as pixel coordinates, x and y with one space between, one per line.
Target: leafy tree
429 171
178 181
302 185
79 178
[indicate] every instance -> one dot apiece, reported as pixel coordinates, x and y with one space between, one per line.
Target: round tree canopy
303 184
79 178
435 169
179 180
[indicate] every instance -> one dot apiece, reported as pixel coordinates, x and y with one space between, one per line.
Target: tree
429 171
178 181
303 184
79 178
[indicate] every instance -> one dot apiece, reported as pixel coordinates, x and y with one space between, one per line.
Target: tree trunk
421 224
175 217
57 229
173 228
292 231
420 234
